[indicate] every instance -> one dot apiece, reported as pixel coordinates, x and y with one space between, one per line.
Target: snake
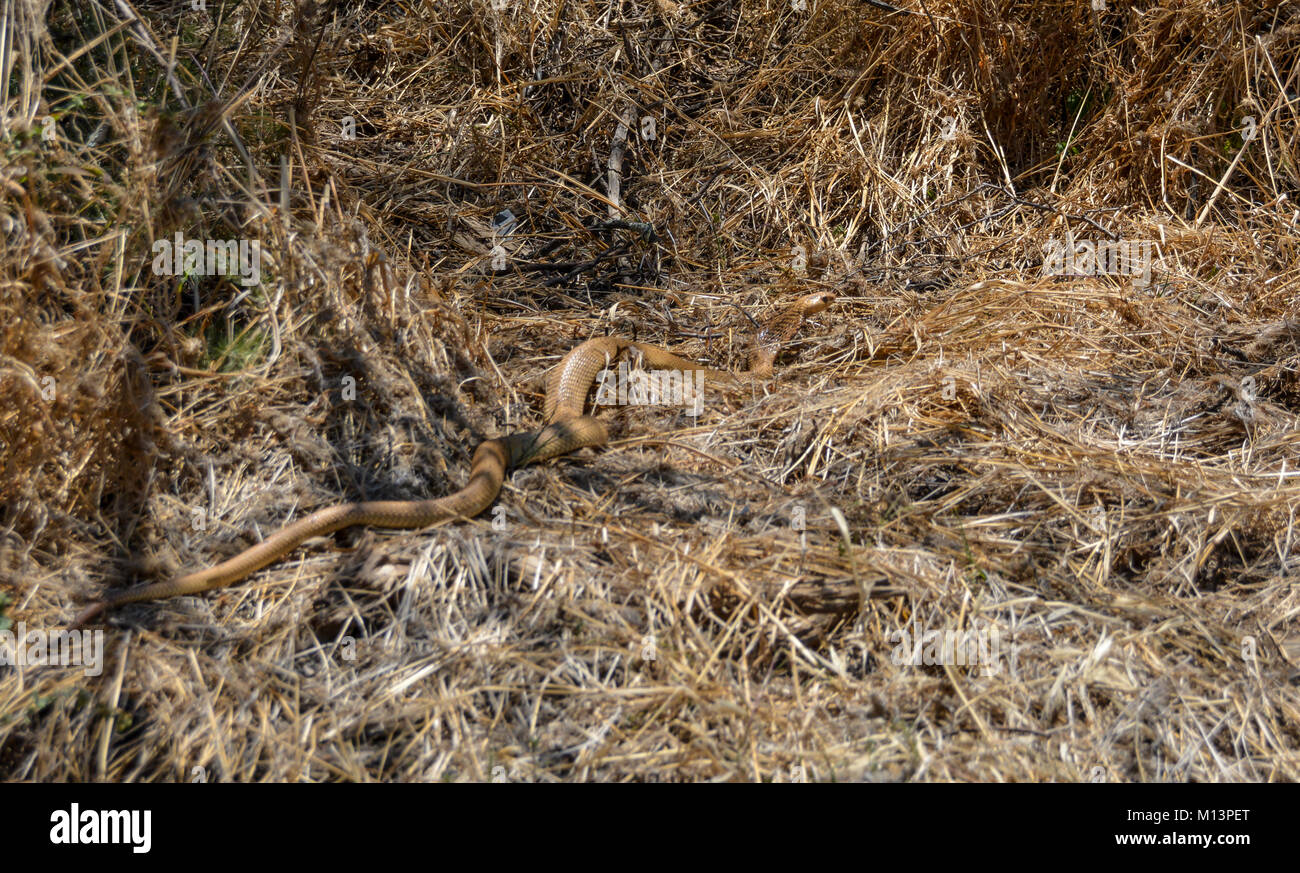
566 428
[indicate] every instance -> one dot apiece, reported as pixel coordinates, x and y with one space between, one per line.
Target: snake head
814 303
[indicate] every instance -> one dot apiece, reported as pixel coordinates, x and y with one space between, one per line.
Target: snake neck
781 328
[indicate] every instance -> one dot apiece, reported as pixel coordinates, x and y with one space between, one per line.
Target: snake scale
566 429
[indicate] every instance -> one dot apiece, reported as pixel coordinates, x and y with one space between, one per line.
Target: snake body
566 429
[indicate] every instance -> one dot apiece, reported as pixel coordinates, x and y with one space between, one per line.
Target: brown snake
567 429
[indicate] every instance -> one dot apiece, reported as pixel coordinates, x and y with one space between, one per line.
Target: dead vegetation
1094 474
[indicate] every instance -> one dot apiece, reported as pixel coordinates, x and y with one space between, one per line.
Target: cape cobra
566 429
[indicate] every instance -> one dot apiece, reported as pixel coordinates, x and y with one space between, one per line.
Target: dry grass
1102 473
